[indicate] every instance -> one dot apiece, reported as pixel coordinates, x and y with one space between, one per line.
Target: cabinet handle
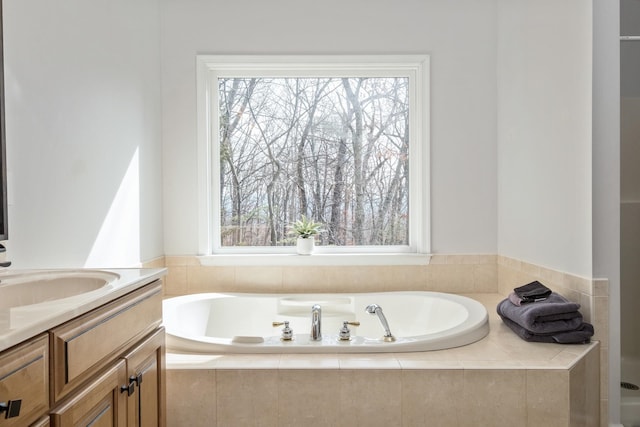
136 379
11 407
131 387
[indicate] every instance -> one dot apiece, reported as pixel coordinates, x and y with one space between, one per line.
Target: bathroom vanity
93 358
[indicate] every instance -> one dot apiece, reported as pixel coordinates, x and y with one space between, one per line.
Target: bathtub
243 323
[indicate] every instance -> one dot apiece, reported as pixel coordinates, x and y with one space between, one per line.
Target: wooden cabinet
83 346
103 368
108 365
24 383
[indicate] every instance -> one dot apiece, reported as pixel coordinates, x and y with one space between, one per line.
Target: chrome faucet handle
287 332
345 332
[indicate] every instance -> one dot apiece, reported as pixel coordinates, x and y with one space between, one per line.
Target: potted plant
305 229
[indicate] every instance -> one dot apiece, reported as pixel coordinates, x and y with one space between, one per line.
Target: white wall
544 133
82 98
460 36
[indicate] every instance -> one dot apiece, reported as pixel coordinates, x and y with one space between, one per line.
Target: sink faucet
4 264
377 310
316 323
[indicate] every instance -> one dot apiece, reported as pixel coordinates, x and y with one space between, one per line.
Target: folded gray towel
531 292
580 335
555 314
516 300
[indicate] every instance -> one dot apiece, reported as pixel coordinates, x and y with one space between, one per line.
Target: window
340 140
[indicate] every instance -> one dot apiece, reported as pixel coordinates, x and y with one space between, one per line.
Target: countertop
21 323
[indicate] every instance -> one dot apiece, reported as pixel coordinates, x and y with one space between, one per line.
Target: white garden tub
242 323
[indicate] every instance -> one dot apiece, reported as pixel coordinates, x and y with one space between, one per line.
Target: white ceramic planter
305 246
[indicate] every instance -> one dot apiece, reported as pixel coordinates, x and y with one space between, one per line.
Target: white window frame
416 67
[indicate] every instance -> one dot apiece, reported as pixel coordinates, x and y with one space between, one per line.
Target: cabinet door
146 372
24 383
101 403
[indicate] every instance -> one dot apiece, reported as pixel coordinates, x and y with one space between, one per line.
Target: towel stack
537 314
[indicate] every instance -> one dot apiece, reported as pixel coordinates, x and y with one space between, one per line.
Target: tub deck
500 380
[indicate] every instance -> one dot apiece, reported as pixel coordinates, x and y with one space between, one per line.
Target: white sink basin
38 286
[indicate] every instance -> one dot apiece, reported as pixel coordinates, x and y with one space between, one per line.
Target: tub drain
629 386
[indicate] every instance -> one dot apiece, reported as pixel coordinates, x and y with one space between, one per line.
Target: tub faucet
377 310
316 323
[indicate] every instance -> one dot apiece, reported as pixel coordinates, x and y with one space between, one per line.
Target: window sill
314 259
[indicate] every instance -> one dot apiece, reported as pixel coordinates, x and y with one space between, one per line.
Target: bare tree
335 149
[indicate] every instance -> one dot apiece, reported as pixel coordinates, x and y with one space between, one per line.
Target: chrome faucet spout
316 323
377 310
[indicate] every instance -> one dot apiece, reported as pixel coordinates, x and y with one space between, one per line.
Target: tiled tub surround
593 296
487 277
498 381
445 273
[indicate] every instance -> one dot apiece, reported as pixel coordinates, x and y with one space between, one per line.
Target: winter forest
333 149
